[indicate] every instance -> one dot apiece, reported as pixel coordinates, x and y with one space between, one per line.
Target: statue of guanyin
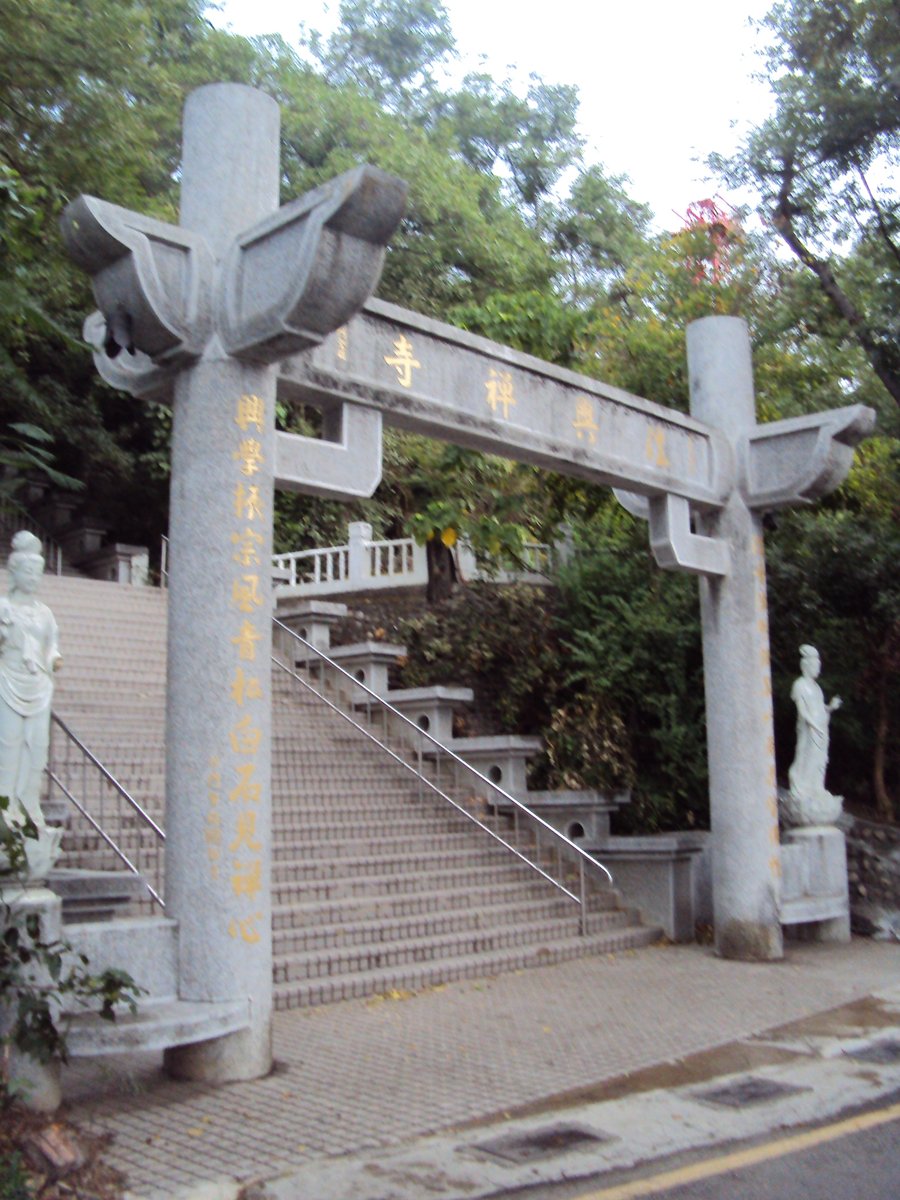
29 655
808 801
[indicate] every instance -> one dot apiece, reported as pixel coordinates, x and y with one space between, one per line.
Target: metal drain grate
520 1148
745 1092
881 1053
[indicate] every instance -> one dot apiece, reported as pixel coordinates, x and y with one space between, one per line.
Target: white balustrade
365 564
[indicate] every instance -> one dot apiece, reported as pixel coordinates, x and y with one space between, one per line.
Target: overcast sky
662 83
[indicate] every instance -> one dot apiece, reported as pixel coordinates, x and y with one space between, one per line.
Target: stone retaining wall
873 868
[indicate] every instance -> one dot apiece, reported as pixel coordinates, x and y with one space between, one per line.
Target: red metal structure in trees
721 229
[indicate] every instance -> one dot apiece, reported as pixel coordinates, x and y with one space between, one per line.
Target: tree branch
885 360
879 215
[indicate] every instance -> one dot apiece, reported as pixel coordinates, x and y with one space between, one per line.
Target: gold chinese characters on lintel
499 388
403 361
584 424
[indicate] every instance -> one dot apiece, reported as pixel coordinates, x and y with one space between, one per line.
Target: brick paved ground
381 1071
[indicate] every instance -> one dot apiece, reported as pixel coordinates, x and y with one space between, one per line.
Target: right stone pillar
737 675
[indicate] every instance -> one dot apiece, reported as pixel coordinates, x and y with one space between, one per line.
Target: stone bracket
675 547
151 280
302 272
285 284
136 374
345 468
801 459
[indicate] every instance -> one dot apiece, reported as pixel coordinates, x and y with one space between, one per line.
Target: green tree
389 49
599 231
821 162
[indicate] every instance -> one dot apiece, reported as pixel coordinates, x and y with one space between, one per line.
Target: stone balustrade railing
365 564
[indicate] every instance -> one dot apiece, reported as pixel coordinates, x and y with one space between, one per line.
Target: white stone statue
808 801
29 655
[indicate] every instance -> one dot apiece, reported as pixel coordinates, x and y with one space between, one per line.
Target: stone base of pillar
815 897
35 1083
233 1058
749 941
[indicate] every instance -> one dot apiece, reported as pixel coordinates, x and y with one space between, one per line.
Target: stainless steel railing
441 772
129 835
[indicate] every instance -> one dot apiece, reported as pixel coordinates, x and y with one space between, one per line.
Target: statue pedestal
814 889
36 1083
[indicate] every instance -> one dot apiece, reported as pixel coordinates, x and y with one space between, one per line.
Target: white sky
662 82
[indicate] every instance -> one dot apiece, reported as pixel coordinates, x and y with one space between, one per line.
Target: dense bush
607 667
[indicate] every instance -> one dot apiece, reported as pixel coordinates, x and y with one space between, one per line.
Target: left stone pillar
218 736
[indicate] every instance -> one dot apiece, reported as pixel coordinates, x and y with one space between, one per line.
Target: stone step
526 913
466 876
396 866
380 956
288 849
372 906
417 976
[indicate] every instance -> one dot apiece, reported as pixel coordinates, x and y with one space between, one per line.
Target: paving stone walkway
383 1071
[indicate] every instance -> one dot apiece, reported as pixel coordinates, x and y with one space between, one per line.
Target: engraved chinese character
246 544
245 928
246 640
402 361
656 447
250 411
245 593
245 687
245 792
245 737
246 833
247 877
499 386
584 423
247 502
343 342
249 455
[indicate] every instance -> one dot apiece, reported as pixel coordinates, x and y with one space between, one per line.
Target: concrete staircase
376 887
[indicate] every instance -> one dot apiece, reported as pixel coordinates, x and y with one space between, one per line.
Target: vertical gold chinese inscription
244 848
250 411
584 424
343 343
247 503
499 387
403 361
212 833
249 456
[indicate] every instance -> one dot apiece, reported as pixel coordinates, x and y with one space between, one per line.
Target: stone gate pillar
218 784
737 675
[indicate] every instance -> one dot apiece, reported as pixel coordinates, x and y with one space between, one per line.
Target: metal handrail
586 863
107 777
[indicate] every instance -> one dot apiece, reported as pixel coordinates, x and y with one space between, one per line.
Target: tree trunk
441 571
884 358
883 802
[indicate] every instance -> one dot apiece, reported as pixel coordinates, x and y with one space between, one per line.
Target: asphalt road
854 1158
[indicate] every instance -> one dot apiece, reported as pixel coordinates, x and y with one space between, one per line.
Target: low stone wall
873 870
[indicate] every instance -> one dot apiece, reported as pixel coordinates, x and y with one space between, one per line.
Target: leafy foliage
631 656
38 976
821 162
834 582
500 641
